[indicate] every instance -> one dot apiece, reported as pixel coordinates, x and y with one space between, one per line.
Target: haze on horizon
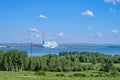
64 21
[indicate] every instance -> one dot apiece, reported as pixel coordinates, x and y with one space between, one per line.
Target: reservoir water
106 49
42 51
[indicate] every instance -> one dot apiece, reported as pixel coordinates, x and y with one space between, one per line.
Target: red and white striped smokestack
43 37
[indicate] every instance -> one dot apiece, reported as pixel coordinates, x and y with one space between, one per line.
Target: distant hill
64 44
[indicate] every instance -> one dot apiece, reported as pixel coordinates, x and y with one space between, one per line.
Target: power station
48 44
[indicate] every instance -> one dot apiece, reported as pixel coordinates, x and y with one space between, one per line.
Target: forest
15 60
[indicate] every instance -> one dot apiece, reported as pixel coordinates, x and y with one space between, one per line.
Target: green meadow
30 75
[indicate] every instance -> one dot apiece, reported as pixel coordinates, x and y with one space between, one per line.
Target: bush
59 69
86 66
79 75
108 75
70 75
99 75
91 75
52 69
60 75
114 73
117 67
41 73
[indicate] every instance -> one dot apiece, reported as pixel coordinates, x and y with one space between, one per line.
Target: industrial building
48 44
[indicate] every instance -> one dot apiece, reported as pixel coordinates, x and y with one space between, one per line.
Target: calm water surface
42 51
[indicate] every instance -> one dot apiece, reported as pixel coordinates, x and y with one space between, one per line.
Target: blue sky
64 21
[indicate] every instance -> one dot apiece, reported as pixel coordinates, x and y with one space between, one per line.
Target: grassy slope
51 76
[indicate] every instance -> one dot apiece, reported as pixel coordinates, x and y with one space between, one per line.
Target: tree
22 60
44 63
52 62
76 64
34 63
5 62
59 65
66 64
116 58
1 58
14 60
107 65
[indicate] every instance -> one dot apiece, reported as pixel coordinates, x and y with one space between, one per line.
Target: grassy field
52 76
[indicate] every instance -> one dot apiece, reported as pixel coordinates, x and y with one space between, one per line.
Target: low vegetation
40 73
65 64
30 75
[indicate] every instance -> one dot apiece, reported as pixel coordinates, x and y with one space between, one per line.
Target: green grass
117 65
4 75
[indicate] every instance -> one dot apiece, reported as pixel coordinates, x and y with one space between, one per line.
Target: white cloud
100 35
89 28
114 31
38 36
30 38
105 32
110 9
42 16
61 34
33 30
87 13
112 1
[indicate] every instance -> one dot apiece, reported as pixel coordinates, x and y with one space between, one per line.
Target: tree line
15 60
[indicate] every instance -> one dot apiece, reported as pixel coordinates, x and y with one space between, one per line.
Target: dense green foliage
14 60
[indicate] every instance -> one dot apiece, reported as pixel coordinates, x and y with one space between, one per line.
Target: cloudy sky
64 21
